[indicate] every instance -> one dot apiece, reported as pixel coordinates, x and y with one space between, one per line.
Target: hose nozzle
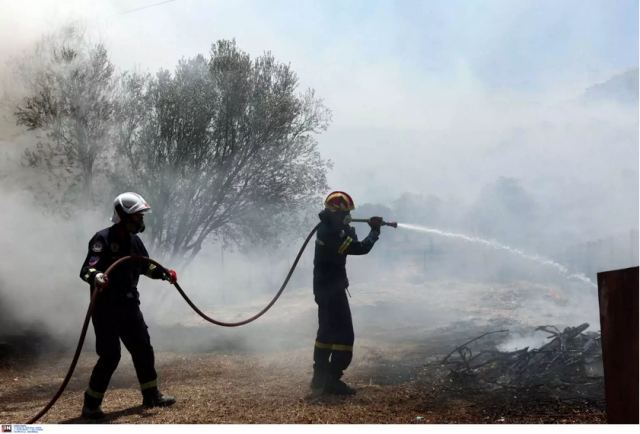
392 224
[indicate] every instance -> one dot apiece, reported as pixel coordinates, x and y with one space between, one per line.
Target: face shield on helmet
127 205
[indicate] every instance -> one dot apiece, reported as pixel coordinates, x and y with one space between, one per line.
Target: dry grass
216 388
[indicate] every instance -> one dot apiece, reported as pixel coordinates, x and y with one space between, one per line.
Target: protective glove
375 223
171 276
101 281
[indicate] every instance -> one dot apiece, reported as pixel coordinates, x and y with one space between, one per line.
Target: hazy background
508 120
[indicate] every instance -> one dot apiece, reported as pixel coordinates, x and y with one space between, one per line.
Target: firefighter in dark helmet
116 316
334 342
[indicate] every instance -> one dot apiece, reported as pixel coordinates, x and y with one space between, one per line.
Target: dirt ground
272 387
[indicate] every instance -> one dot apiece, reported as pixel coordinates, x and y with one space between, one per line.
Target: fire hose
95 293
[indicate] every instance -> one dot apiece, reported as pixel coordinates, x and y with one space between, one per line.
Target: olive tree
70 87
221 145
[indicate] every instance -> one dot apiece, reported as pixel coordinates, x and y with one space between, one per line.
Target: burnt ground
394 381
260 373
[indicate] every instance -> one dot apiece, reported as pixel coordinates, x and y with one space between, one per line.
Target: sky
355 52
510 44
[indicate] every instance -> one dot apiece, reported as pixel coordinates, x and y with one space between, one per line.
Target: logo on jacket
97 247
115 247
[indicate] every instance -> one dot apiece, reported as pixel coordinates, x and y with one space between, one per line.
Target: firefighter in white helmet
117 316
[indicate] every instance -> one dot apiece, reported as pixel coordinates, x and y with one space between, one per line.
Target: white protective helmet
130 203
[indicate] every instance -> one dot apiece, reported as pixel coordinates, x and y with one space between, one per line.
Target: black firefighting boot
153 398
91 407
335 386
319 379
320 367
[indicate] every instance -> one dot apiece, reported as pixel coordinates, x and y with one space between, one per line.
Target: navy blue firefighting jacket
333 243
104 249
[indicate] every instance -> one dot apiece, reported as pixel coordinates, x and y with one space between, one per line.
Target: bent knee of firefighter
142 353
110 361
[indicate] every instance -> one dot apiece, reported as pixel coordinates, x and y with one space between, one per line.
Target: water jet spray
499 246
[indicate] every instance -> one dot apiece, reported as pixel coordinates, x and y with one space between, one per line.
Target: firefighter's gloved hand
375 223
171 276
101 281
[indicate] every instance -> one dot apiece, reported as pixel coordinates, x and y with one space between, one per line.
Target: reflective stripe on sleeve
343 248
87 276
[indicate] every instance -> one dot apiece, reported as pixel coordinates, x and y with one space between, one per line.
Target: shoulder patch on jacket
97 246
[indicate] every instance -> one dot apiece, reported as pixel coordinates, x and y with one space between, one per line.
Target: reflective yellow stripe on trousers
334 347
